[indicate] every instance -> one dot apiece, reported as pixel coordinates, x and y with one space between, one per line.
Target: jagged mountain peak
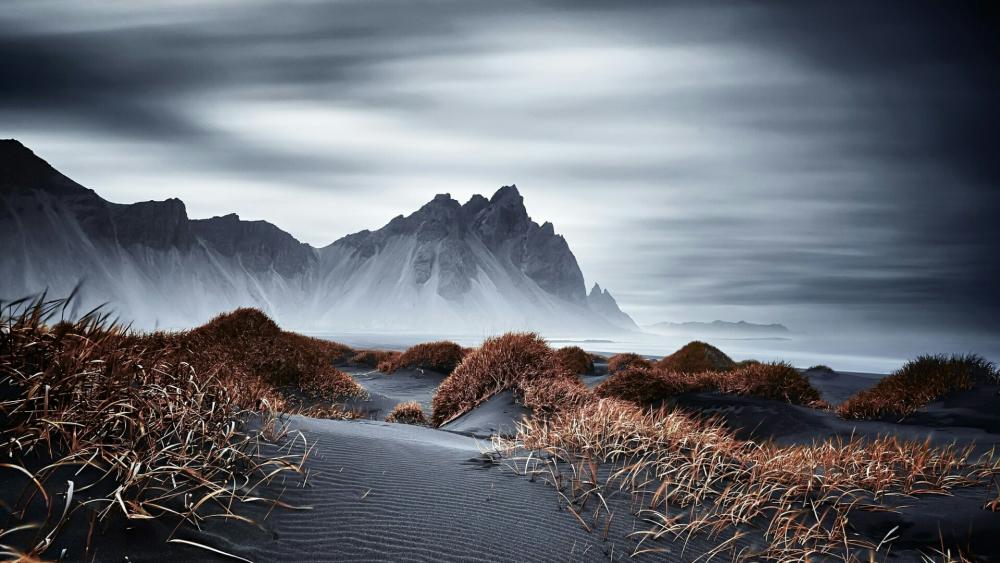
448 235
475 204
11 148
507 193
21 168
604 303
482 266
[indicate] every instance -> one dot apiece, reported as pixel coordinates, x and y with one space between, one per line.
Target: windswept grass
776 381
521 362
574 360
692 477
376 359
246 339
134 427
442 356
501 363
696 357
917 383
407 413
621 362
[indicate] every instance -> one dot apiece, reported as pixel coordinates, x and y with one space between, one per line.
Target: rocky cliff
480 267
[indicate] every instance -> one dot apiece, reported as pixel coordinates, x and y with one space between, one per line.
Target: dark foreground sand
835 387
963 419
387 391
392 492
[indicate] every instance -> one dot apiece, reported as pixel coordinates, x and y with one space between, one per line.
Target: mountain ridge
484 265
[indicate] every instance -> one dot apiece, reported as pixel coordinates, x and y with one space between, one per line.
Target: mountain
601 301
720 327
479 267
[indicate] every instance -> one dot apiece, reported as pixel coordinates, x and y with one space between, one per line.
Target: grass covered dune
101 427
239 441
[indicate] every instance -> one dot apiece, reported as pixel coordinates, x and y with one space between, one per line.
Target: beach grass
409 412
374 358
575 360
696 356
110 426
690 476
917 383
621 362
442 356
776 381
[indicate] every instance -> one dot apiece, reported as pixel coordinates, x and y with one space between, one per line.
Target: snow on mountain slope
478 268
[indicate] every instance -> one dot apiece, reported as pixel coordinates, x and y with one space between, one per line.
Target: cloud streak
702 158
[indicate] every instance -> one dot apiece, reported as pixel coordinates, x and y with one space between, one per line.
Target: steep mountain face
481 267
601 302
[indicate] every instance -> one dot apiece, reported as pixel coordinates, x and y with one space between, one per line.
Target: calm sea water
843 350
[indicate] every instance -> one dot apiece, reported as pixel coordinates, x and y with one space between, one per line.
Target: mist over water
842 349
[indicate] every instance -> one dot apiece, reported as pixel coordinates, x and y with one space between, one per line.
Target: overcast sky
785 162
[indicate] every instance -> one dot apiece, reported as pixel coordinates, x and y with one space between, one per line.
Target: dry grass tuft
442 357
574 360
777 381
501 363
247 340
407 413
377 359
621 362
521 362
549 395
692 477
917 383
145 425
696 357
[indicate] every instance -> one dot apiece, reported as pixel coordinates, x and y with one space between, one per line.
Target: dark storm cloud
135 80
746 154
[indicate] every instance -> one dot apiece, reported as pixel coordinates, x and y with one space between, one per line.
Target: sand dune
378 491
836 386
390 492
498 415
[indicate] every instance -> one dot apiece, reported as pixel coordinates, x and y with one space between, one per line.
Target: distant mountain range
719 327
480 267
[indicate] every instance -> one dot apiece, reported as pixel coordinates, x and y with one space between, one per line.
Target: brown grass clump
129 426
407 413
574 360
522 362
499 364
917 383
374 358
639 385
776 381
693 477
246 339
621 362
442 357
695 357
549 395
